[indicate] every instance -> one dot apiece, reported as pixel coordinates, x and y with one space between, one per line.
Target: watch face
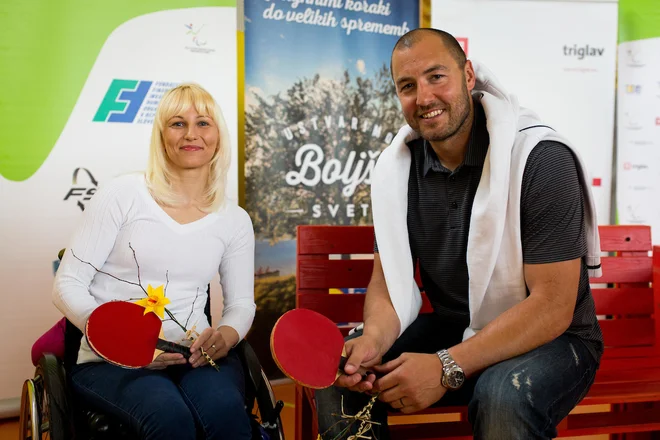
455 379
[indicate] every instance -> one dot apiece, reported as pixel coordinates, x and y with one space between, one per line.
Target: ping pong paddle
309 348
122 334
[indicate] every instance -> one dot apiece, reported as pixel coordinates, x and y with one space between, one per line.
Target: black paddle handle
342 363
172 347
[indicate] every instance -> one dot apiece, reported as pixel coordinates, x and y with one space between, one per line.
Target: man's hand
411 383
214 345
164 360
362 351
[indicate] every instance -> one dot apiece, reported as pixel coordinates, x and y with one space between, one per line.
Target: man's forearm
526 326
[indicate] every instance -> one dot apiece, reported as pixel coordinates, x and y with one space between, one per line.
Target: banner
81 84
638 115
320 107
558 58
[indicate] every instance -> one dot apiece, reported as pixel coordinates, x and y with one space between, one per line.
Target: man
494 208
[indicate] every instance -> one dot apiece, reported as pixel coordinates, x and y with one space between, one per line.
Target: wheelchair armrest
50 342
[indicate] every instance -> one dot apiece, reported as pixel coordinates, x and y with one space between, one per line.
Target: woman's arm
92 242
237 280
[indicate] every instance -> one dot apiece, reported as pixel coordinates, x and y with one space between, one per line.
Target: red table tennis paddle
122 334
309 348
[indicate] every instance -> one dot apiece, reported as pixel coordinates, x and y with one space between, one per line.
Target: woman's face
190 139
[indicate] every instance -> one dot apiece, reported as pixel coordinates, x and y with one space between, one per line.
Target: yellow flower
155 301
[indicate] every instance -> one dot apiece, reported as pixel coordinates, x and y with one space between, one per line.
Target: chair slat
615 238
622 392
320 274
322 239
335 240
625 270
626 353
623 301
628 375
645 358
620 422
339 308
628 332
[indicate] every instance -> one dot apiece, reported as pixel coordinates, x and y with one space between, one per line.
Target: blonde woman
171 224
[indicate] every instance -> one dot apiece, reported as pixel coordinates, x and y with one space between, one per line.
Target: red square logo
597 181
463 41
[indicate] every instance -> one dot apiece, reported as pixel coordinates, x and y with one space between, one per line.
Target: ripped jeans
521 398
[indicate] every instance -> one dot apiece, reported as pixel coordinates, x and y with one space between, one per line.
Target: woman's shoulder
234 213
234 220
124 183
122 188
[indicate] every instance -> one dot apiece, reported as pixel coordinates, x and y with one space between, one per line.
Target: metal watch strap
448 365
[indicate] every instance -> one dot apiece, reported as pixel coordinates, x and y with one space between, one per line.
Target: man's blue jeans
522 398
175 403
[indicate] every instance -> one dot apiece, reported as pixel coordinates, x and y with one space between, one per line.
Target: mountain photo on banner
320 106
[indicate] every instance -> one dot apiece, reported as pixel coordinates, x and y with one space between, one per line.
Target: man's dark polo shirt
551 218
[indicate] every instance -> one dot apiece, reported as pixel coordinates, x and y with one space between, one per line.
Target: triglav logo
634 166
198 38
633 89
131 101
582 52
82 192
463 41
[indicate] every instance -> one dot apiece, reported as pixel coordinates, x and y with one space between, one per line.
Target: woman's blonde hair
159 174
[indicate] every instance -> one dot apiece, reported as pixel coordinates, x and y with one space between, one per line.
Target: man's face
434 91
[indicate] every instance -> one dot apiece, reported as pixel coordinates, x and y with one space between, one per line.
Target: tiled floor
284 392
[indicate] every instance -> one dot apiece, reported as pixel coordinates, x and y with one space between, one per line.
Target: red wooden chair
627 384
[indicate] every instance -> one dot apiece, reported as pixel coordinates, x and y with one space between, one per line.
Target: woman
168 228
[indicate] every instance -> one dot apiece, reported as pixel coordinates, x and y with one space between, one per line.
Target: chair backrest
627 305
341 257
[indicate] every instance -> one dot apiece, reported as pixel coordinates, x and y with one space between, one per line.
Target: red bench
627 384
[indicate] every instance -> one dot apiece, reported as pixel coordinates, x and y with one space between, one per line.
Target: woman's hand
164 360
214 345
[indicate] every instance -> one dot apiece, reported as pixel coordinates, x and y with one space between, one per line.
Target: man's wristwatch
452 375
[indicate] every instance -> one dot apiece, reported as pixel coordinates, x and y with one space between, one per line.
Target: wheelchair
49 410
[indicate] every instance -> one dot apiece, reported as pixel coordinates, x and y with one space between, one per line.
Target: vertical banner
319 108
82 82
638 115
558 58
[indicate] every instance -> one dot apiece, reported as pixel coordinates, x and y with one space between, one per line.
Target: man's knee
503 406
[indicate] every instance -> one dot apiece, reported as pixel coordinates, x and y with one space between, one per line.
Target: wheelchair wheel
29 425
44 403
